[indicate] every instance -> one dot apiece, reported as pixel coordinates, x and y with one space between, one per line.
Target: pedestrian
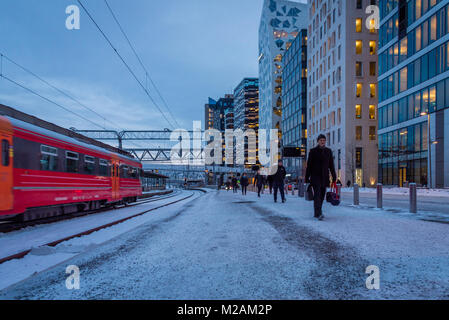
234 184
278 181
348 184
319 164
244 183
270 183
259 183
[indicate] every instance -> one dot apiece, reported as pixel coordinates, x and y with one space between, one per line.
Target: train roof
31 123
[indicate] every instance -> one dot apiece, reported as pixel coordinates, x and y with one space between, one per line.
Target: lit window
358 111
358 90
372 47
358 133
358 68
358 46
372 112
372 90
372 133
358 25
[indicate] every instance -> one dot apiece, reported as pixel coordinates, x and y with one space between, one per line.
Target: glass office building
414 92
294 81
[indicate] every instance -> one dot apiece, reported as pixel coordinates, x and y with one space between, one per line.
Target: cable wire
147 74
124 62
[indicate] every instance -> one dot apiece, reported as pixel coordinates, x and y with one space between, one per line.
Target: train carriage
47 170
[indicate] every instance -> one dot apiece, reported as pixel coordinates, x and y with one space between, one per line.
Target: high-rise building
280 23
414 92
210 110
294 101
246 113
226 105
342 85
246 104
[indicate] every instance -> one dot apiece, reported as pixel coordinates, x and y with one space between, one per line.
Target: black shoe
321 218
283 200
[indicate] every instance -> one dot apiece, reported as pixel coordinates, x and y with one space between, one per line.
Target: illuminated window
372 68
358 68
403 79
372 90
372 47
358 111
372 133
433 28
418 9
418 39
358 25
358 132
372 112
358 90
358 46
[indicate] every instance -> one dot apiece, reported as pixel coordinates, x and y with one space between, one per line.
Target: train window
49 158
104 168
132 173
89 165
5 153
72 160
124 172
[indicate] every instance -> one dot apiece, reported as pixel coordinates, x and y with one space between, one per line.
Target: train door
115 180
6 165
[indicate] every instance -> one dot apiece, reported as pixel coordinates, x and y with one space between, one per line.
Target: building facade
210 111
246 104
280 23
294 101
414 86
342 86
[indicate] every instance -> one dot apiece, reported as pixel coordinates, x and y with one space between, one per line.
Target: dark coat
279 176
234 181
270 180
244 181
319 165
259 180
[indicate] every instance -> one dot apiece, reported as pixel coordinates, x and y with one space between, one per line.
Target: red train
47 170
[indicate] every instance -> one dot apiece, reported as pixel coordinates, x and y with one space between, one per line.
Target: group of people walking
320 166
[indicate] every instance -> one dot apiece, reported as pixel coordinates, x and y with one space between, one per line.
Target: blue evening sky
193 49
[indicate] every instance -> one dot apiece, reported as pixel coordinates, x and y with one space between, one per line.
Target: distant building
246 104
209 114
226 105
342 86
294 101
246 112
280 23
414 93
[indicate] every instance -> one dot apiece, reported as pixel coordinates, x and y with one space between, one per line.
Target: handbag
333 196
309 192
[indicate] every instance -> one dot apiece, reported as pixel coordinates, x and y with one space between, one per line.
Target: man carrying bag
319 164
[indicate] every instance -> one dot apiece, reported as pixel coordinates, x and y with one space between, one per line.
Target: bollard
413 198
356 194
379 195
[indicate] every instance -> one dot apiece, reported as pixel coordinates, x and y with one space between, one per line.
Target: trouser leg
281 190
275 192
318 199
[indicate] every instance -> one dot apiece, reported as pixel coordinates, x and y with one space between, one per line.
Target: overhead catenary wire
58 90
147 74
125 63
3 56
49 100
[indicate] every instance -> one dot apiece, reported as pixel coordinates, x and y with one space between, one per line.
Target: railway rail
10 226
23 253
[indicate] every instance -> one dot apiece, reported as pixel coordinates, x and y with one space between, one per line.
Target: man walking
259 182
319 164
278 181
270 183
244 183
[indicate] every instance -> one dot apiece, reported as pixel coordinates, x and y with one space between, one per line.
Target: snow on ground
402 191
41 258
228 246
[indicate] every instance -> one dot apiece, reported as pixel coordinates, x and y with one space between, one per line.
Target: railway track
10 226
23 253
